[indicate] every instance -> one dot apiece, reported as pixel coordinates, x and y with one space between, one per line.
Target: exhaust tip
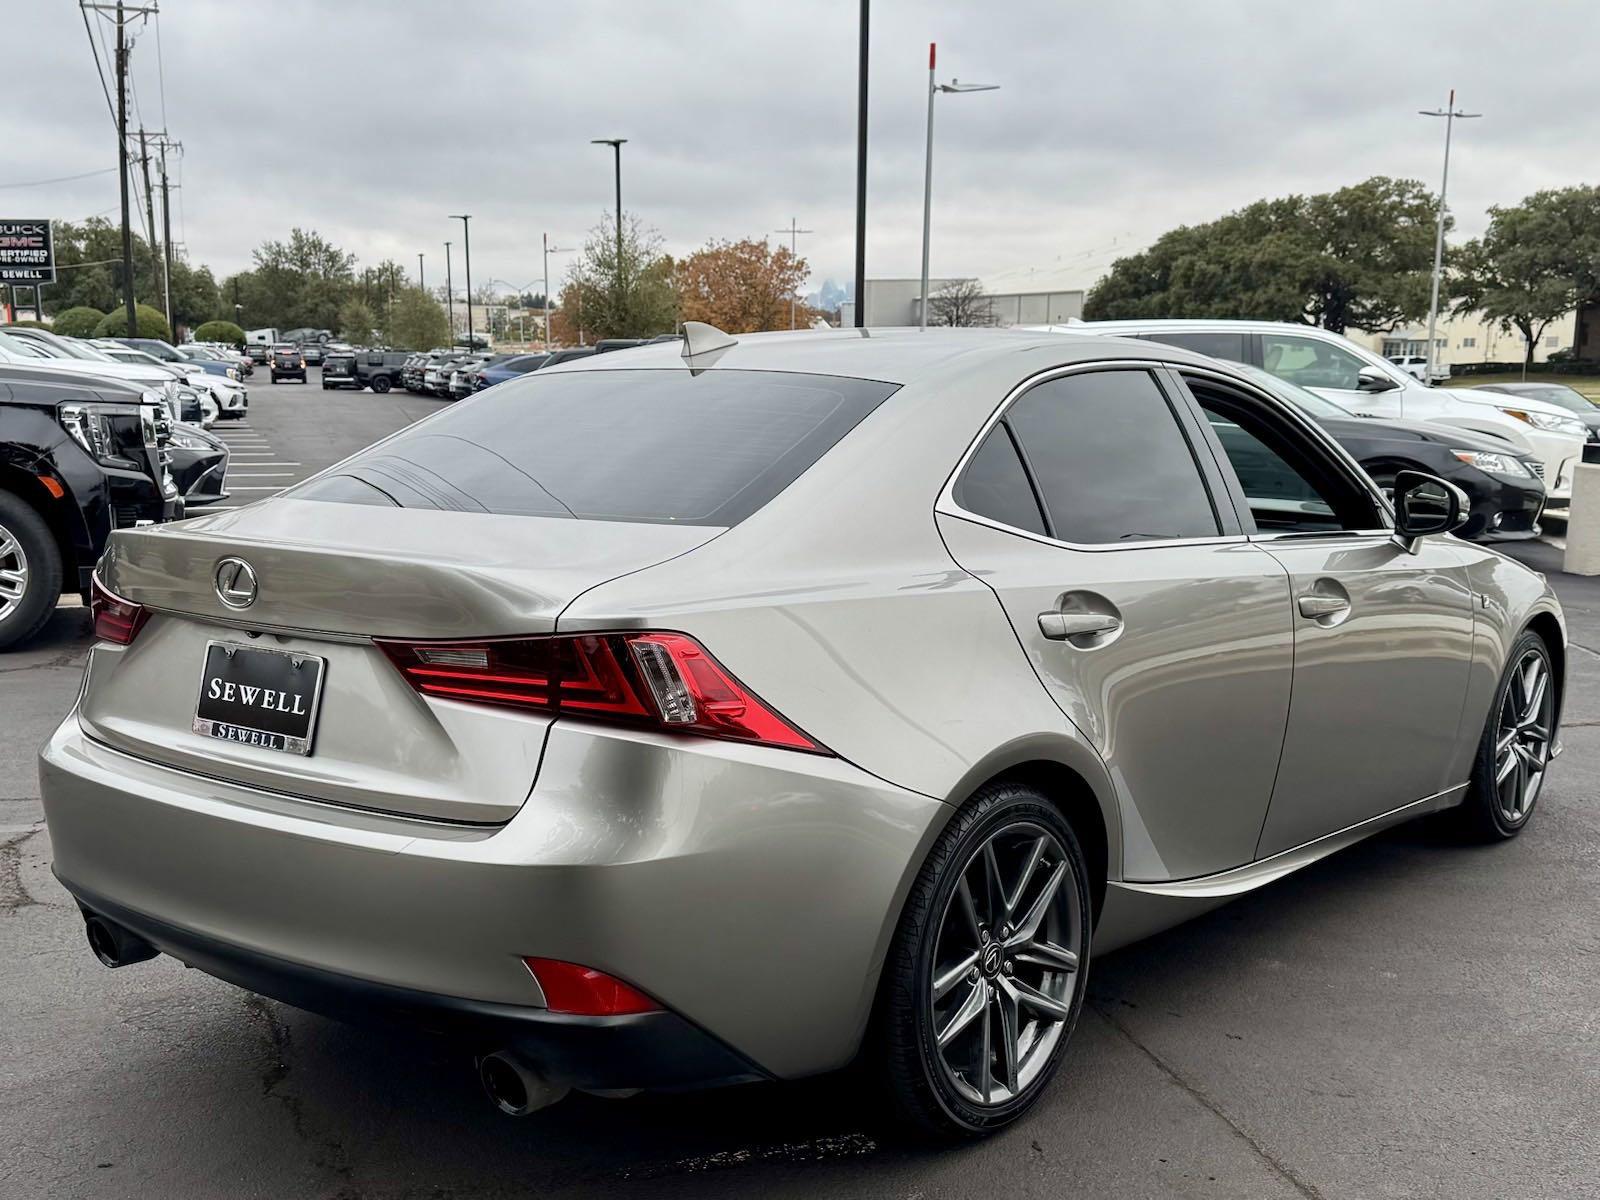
515 1086
113 945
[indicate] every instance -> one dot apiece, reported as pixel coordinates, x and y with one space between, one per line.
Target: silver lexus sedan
686 717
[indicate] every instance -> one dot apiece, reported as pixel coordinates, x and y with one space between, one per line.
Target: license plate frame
243 732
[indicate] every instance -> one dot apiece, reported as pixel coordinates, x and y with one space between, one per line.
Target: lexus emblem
236 583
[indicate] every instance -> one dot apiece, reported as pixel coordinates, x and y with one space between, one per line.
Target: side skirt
1136 910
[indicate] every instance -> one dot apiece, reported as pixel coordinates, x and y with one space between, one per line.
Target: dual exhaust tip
516 1086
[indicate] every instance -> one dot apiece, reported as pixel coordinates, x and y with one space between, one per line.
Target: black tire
381 384
902 1051
1482 816
43 586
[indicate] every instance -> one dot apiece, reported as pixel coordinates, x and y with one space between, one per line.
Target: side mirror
1425 504
1370 379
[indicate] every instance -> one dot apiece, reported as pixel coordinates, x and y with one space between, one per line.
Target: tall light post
422 279
616 148
466 236
794 231
934 88
1450 114
861 165
548 251
449 294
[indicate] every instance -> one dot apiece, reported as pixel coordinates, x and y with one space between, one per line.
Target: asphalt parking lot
1412 1017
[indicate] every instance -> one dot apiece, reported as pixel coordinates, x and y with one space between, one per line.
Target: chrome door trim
946 503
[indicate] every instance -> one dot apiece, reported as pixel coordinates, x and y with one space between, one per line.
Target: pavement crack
1585 649
1277 1165
327 1151
14 895
68 658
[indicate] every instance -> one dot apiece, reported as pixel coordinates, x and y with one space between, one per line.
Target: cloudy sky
370 120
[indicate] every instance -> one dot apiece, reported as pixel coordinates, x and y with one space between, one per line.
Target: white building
1469 339
898 302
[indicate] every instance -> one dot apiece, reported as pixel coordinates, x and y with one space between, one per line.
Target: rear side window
658 446
1111 462
996 486
1218 345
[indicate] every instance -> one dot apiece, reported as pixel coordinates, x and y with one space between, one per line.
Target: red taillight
115 619
667 680
583 991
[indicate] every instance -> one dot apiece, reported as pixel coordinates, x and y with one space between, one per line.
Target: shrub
80 322
151 324
220 331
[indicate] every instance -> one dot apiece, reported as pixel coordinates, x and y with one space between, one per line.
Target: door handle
1063 626
1321 607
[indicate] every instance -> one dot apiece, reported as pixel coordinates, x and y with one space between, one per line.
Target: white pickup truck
1416 366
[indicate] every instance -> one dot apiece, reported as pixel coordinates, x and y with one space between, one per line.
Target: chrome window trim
946 503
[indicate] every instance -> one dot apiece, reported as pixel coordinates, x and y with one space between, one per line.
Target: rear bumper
751 891
642 1050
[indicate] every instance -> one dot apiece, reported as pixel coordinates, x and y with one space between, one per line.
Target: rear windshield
658 446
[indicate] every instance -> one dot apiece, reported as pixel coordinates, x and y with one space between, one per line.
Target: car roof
106 386
892 355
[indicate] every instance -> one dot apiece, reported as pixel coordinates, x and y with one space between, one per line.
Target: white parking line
231 488
261 474
264 464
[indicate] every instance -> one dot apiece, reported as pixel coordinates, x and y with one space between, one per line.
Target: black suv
80 455
287 362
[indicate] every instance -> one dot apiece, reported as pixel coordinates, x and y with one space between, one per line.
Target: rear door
1382 636
1156 626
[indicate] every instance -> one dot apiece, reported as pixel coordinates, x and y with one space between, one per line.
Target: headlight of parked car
186 440
1494 463
233 372
112 436
1554 422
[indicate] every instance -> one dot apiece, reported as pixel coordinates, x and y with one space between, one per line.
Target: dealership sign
27 252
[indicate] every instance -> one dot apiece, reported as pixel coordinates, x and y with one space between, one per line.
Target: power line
99 70
59 179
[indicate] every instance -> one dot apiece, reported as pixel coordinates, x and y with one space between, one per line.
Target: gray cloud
370 120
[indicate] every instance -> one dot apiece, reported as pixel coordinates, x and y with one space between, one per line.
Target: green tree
299 282
415 321
151 324
1537 261
78 322
632 296
356 321
1359 257
220 331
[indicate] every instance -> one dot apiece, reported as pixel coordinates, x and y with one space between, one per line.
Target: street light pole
1450 114
934 88
861 167
466 236
616 148
449 294
548 251
422 278
793 231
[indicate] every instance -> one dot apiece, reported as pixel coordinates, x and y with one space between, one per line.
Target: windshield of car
22 347
60 347
1306 401
655 446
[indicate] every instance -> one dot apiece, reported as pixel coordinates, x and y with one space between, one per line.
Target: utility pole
150 216
166 227
794 231
1450 114
548 251
422 279
122 170
449 294
861 171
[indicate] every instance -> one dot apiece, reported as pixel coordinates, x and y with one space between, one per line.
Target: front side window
1288 483
1310 362
1111 464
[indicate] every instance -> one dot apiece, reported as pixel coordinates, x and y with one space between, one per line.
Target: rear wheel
1514 753
380 384
986 975
30 571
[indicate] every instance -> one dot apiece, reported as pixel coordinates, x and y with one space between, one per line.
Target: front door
1382 636
1157 628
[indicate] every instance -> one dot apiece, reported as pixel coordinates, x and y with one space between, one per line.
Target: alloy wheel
13 573
1004 964
1522 737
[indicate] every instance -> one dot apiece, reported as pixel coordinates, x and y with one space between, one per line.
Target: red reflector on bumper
583 991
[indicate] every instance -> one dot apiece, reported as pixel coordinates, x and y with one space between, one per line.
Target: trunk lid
329 578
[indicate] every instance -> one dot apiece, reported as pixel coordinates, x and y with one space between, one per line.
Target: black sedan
1507 496
1558 394
198 463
